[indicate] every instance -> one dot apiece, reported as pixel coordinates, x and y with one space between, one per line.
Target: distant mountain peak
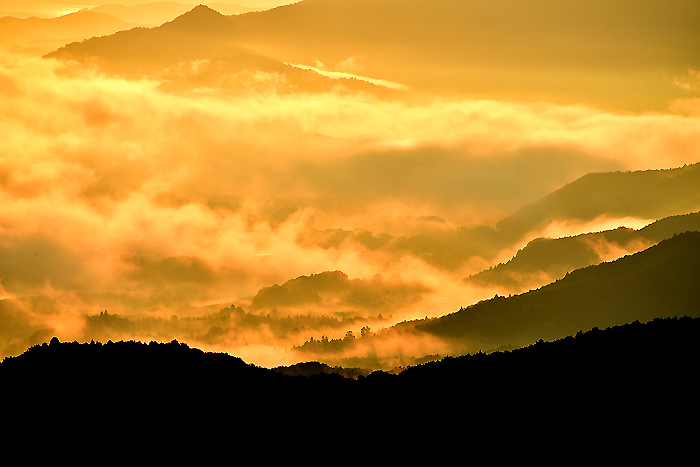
201 11
200 19
202 7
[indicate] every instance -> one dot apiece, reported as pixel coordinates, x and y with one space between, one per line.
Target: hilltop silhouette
44 35
315 368
621 374
335 286
195 35
201 20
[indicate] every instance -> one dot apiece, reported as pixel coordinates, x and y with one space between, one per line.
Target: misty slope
647 194
198 49
336 289
658 282
595 51
651 194
547 259
198 34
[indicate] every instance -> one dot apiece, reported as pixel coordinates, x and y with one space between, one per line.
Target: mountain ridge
200 20
554 257
465 46
657 282
643 194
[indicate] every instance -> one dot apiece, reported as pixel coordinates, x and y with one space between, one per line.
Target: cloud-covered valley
129 196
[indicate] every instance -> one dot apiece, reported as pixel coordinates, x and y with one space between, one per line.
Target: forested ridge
639 360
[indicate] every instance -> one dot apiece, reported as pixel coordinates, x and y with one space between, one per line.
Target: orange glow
174 186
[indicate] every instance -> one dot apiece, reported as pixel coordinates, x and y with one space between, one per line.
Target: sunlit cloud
568 228
118 194
690 83
349 65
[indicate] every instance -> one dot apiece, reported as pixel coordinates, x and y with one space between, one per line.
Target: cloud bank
117 194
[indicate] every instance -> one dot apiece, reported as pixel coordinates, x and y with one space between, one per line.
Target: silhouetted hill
622 374
631 370
337 287
196 35
661 281
199 49
315 368
670 226
201 20
302 290
545 259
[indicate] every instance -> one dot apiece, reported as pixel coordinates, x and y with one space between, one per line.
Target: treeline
215 328
636 363
597 388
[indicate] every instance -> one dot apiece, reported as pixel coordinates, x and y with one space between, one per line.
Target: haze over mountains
157 13
658 282
545 259
332 304
40 29
333 168
143 10
562 52
47 33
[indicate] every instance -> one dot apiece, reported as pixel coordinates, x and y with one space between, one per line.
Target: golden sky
158 187
50 9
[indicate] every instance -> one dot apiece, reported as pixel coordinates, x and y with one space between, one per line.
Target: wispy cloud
350 64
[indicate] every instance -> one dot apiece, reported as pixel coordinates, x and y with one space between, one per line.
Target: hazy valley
347 182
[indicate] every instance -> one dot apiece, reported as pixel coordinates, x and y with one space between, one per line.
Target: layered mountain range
562 52
327 180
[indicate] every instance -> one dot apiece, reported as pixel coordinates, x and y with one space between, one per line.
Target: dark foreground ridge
623 371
